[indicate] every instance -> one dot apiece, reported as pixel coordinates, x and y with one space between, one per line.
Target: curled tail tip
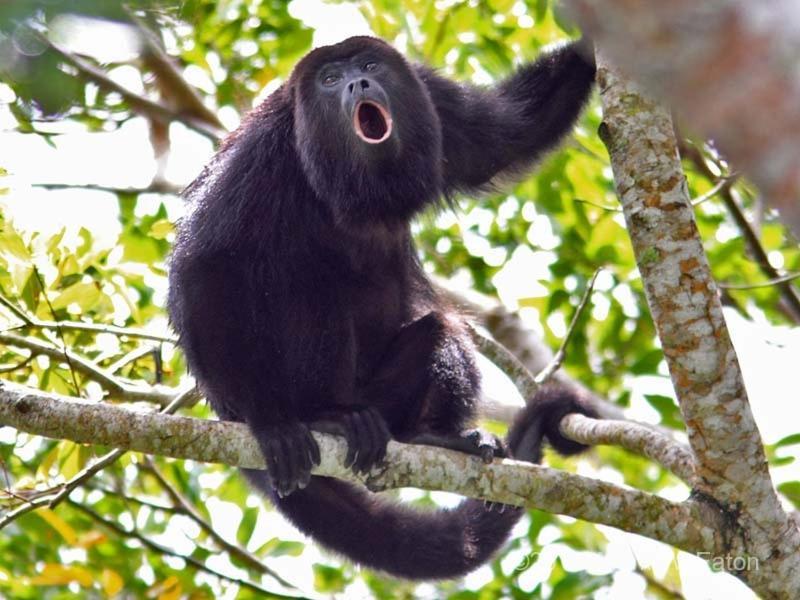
541 418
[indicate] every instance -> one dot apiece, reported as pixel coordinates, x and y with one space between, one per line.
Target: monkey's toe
367 436
484 444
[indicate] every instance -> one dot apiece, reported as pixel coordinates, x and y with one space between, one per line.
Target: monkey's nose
358 84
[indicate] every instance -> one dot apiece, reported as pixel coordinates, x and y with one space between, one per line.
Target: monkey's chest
377 314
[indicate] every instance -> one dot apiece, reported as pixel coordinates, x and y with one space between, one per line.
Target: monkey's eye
371 66
332 79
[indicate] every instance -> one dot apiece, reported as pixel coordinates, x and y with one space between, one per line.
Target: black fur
298 297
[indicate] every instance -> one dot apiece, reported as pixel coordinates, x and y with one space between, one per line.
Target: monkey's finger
303 451
362 440
352 440
304 480
313 448
372 440
380 435
294 460
307 447
271 449
283 467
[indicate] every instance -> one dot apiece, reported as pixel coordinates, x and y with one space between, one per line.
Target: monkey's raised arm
501 131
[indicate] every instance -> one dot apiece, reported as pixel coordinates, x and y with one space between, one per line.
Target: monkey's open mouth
372 122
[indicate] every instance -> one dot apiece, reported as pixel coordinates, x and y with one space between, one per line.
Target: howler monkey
298 296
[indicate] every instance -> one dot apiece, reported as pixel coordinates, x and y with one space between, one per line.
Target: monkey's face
366 130
356 84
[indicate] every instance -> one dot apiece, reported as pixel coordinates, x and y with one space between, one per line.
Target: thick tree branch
682 295
692 526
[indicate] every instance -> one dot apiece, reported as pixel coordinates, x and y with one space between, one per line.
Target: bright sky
124 158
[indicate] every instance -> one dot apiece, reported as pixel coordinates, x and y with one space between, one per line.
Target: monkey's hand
290 452
366 433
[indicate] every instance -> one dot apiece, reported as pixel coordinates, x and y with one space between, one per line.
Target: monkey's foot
366 433
290 452
472 441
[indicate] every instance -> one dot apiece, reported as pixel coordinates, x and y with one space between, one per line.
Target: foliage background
534 247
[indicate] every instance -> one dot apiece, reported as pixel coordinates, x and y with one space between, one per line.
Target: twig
723 184
140 104
597 205
114 387
20 365
156 547
59 331
169 79
789 295
135 499
185 507
157 187
30 321
519 374
130 357
753 286
546 373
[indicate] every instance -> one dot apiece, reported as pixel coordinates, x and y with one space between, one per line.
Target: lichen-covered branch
682 295
635 437
729 67
691 526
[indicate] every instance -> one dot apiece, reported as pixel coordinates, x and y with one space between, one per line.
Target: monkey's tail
385 535
414 544
540 420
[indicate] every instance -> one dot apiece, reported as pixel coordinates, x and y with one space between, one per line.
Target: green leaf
666 407
246 526
791 490
328 579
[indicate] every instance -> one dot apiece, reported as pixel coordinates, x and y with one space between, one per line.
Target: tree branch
789 294
635 437
731 464
140 104
692 526
190 560
116 389
157 187
32 322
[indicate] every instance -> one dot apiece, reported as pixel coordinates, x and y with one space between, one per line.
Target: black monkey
298 296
